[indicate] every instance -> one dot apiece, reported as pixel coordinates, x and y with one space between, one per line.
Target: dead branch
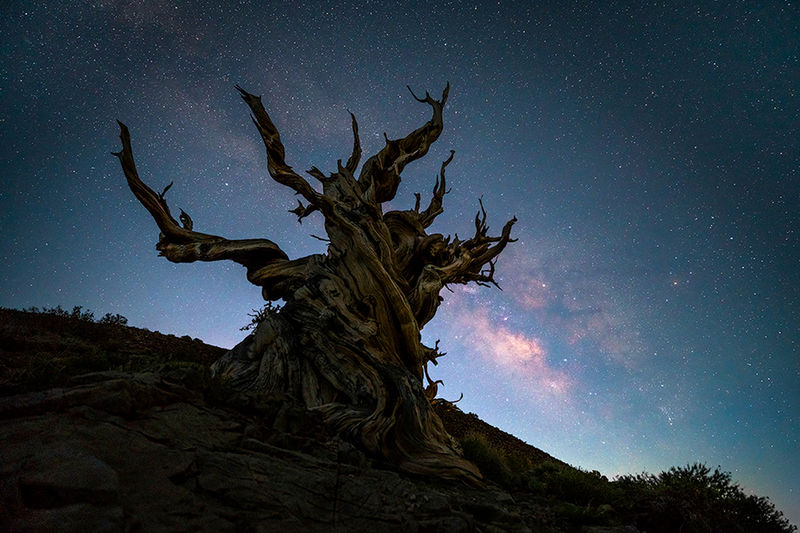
276 154
380 175
182 244
435 208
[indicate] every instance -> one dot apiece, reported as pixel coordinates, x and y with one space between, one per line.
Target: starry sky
651 307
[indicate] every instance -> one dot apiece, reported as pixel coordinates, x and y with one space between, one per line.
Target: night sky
651 307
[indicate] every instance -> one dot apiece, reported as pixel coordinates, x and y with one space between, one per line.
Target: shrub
260 315
55 311
694 499
570 484
116 319
80 314
487 458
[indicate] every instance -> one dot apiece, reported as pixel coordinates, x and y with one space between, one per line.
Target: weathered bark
347 340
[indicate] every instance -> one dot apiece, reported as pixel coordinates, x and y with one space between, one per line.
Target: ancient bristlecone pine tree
347 340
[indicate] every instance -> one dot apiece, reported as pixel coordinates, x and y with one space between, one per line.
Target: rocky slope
108 428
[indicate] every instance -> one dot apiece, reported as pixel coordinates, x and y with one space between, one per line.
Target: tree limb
302 211
435 209
276 154
470 257
445 261
355 157
182 244
380 175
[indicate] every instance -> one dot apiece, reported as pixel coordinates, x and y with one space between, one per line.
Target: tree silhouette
347 340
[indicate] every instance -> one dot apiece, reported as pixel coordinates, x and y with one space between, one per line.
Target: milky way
650 309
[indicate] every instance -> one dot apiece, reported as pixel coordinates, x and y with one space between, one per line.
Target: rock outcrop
119 451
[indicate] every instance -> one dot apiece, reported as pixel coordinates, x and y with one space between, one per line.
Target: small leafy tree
695 499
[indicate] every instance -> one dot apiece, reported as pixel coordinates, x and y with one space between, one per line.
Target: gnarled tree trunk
347 340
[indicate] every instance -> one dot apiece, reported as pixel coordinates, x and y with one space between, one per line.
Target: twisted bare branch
471 256
182 244
435 208
380 175
276 154
355 156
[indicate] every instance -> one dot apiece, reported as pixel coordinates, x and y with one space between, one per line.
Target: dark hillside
43 350
105 427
